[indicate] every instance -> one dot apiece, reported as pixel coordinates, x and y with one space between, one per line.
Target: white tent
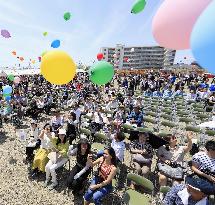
3 74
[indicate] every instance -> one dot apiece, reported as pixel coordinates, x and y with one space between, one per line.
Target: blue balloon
7 89
55 44
203 39
8 98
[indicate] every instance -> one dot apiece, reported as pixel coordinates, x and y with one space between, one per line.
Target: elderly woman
57 158
142 153
171 158
41 156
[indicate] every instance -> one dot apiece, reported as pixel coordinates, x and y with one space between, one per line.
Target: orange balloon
14 53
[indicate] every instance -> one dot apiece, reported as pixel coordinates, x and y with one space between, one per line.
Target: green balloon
5 95
67 16
45 33
138 6
101 73
10 77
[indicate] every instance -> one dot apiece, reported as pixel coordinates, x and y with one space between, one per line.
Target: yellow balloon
57 67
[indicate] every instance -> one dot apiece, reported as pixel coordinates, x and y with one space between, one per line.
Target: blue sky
94 24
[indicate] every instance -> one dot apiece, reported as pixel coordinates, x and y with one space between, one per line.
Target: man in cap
194 192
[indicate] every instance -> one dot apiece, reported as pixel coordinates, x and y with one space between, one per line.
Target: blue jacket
138 117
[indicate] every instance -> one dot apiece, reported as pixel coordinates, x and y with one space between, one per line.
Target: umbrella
5 33
154 140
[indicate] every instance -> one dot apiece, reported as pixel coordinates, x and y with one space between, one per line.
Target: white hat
62 132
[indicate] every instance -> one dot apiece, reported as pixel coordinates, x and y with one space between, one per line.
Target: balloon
7 89
5 95
39 58
101 73
126 59
67 16
5 34
8 98
185 57
100 56
21 58
57 67
45 33
132 50
33 61
44 53
14 53
138 6
202 39
10 77
17 80
173 23
55 44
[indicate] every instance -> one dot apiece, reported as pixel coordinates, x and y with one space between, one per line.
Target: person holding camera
101 184
170 159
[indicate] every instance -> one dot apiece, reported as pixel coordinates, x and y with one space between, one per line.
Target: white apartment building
139 57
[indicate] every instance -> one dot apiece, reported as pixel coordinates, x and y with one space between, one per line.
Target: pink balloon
16 80
173 23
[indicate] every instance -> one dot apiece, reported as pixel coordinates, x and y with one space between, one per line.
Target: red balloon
126 59
100 56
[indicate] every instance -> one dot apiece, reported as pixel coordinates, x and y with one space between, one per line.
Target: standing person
57 158
40 158
101 184
82 152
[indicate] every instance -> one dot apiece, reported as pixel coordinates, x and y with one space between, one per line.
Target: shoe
52 186
45 184
161 196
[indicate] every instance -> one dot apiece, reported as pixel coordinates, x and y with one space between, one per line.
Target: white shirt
46 141
119 148
78 114
34 133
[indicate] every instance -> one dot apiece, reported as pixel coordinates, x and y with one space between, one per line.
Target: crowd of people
106 109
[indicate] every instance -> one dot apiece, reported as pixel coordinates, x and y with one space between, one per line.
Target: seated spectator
35 142
57 121
142 154
81 152
191 96
41 156
203 164
191 193
101 184
118 145
136 116
71 127
167 93
171 158
57 158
